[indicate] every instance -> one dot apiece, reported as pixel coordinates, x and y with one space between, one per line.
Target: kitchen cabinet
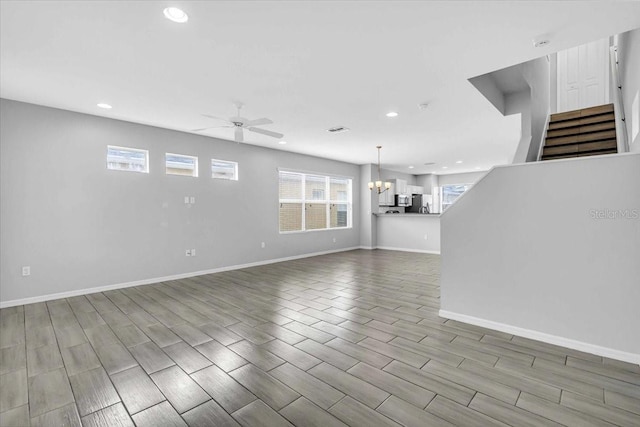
387 198
400 186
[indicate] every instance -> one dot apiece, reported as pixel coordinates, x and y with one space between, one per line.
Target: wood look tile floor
351 338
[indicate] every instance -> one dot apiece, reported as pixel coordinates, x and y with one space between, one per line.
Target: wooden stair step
598 153
553 133
561 140
583 121
560 150
573 139
597 136
586 147
576 149
585 112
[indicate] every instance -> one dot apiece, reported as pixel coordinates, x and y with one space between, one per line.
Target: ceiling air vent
338 129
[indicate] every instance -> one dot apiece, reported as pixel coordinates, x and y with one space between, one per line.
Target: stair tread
596 127
584 112
580 147
574 139
582 121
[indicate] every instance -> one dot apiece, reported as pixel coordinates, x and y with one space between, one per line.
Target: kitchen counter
407 214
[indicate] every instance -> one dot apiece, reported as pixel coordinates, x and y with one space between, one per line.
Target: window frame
196 166
235 173
467 187
327 201
138 150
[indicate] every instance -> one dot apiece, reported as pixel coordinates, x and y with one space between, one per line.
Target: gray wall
460 178
368 205
522 248
536 73
79 225
629 61
520 102
389 174
427 181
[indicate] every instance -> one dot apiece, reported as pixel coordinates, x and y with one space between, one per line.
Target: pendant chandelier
379 184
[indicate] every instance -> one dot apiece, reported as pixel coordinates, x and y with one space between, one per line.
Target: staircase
579 133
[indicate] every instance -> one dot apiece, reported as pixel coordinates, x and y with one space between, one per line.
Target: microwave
403 200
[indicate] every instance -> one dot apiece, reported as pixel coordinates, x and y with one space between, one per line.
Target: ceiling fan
241 123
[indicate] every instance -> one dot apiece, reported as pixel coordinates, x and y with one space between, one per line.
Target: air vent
338 129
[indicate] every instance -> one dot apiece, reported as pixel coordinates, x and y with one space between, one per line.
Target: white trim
547 338
68 294
420 251
368 248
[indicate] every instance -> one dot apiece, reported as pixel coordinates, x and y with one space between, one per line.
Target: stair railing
618 105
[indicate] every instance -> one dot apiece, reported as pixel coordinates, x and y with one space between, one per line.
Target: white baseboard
547 338
68 294
420 251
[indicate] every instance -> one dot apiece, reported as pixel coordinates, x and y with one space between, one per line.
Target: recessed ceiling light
105 106
423 106
282 142
176 15
445 167
392 114
459 161
410 167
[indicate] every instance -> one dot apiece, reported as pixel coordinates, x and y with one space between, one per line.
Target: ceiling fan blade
216 118
211 127
266 132
239 135
257 122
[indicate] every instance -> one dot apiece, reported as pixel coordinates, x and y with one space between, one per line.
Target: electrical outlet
26 271
186 200
334 240
425 237
187 252
192 200
193 252
263 245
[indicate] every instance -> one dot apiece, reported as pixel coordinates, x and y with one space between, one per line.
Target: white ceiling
308 66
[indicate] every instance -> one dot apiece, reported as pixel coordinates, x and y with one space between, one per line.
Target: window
179 164
450 193
127 159
222 169
313 202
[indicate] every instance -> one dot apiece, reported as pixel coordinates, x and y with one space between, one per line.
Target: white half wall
80 226
409 232
551 248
